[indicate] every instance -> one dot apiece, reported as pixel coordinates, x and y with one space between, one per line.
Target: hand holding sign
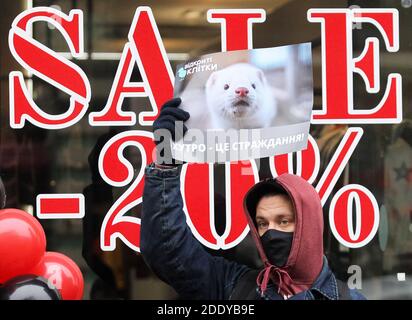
169 126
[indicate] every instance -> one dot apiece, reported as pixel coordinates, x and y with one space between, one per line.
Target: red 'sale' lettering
236 26
341 216
145 47
49 66
338 66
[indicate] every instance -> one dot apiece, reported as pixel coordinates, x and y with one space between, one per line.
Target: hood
306 255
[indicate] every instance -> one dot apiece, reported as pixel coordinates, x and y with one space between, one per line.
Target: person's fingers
160 119
168 123
165 124
178 114
167 118
174 103
176 131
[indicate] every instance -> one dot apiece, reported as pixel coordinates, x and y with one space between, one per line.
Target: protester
286 223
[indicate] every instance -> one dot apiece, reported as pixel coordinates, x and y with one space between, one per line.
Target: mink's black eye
253 86
226 86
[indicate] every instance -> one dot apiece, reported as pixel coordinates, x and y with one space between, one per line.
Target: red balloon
22 243
63 273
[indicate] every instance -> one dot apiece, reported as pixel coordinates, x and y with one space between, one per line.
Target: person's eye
253 86
261 224
226 86
284 222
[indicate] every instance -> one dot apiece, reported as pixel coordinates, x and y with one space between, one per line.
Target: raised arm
167 244
169 248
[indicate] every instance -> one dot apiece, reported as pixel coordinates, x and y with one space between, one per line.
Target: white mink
239 97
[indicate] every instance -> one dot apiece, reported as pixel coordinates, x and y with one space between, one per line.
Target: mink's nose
243 92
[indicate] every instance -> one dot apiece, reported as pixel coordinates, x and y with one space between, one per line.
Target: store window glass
36 161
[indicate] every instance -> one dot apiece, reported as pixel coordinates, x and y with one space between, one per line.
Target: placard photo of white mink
239 97
268 91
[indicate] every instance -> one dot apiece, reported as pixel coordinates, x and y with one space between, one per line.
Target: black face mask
277 246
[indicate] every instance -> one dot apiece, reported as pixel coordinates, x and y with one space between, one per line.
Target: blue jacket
176 257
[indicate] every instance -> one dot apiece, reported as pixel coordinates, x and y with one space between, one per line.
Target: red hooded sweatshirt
306 255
